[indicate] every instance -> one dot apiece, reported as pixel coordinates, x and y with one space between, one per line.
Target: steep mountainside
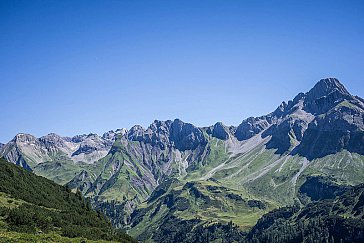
264 160
35 209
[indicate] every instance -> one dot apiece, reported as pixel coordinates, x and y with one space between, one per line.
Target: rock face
157 134
323 96
165 134
340 128
220 131
337 123
93 147
185 136
252 126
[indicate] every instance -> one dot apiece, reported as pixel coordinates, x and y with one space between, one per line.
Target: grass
16 237
347 104
9 202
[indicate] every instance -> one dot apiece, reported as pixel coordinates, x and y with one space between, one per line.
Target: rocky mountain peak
251 126
121 131
186 136
92 136
160 127
23 138
326 86
220 131
93 143
325 95
52 140
280 109
109 135
136 133
51 137
78 138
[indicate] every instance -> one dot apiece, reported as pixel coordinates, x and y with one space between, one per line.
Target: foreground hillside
33 208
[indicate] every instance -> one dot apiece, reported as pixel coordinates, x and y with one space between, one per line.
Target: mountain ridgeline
212 179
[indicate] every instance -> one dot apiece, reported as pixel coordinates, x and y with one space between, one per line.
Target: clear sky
74 67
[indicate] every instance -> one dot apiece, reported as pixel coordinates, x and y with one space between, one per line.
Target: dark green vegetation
34 205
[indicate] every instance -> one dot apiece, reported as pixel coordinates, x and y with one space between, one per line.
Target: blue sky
74 67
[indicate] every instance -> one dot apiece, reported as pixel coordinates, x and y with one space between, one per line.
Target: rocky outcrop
53 142
93 143
286 134
325 95
165 134
157 134
291 122
220 131
252 126
340 128
185 136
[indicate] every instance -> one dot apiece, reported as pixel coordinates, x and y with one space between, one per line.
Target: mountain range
172 171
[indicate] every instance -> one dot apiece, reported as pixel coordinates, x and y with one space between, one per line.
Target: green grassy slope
34 208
